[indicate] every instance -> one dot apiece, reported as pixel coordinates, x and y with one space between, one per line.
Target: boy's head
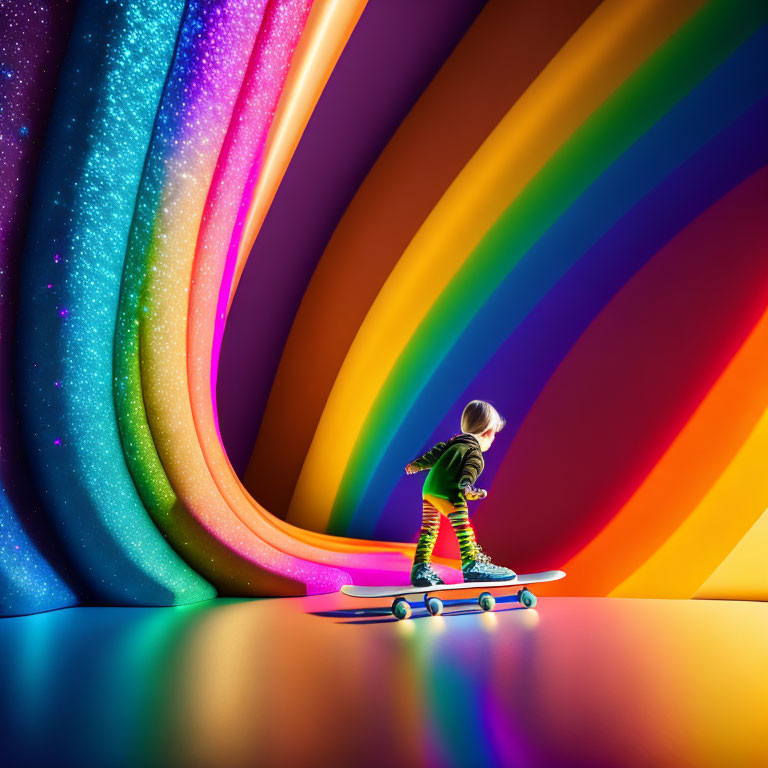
483 421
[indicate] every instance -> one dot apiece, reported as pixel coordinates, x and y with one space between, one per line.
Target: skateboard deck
402 609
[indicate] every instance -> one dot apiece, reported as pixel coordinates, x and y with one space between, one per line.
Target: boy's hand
474 494
410 469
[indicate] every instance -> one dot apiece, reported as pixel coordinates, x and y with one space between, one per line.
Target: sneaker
480 568
422 575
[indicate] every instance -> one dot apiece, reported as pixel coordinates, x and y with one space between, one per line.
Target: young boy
453 469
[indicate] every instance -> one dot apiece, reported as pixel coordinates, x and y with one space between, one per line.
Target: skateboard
402 609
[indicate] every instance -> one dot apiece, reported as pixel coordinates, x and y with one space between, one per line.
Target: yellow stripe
709 534
743 575
618 37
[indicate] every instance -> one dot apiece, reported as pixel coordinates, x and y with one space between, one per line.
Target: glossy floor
331 680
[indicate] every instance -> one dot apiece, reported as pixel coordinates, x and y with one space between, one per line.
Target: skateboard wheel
526 597
486 601
401 608
434 605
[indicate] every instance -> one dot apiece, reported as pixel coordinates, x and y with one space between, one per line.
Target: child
453 468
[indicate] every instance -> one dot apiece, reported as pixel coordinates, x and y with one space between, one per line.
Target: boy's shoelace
481 557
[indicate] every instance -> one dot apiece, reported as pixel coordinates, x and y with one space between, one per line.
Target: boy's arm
470 467
428 459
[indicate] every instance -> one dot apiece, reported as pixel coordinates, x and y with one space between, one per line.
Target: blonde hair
479 417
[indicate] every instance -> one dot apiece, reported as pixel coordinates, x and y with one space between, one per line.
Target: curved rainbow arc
327 30
740 103
631 168
318 50
163 330
588 69
71 269
681 62
212 61
622 538
667 177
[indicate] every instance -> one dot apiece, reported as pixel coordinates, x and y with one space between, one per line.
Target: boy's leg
465 534
475 565
430 526
458 515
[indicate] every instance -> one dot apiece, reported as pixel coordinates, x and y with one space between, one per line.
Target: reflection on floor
334 681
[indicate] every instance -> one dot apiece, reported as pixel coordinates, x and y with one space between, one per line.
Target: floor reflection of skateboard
402 609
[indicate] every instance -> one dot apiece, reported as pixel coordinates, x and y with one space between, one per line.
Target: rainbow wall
556 207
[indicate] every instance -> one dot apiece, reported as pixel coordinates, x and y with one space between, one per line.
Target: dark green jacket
452 465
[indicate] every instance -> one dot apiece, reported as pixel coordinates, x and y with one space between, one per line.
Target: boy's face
487 441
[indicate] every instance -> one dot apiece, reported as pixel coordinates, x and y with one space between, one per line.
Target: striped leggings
458 515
